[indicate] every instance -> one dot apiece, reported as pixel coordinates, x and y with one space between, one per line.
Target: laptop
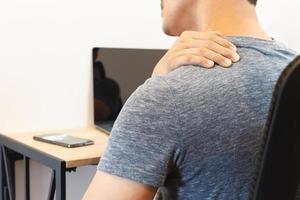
117 72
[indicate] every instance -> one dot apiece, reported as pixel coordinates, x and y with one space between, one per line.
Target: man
195 133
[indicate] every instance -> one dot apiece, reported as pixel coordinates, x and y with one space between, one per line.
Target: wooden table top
74 157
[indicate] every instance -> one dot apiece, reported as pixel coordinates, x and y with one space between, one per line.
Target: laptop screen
117 73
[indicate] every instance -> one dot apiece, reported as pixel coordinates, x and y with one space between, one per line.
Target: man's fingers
232 55
223 42
213 46
208 54
192 60
212 36
217 33
198 48
215 57
199 34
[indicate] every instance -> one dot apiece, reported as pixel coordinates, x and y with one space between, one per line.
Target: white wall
281 19
45 50
45 58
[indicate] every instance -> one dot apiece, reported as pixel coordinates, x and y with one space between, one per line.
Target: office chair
278 166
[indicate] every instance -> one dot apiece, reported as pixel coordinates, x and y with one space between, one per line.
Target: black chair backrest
278 168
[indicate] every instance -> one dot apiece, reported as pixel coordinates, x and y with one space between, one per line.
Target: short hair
253 2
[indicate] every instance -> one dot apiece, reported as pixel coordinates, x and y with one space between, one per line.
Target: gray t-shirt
195 132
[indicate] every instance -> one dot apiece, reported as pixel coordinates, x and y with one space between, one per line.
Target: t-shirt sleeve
144 140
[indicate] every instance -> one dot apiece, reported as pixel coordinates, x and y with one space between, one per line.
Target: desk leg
27 178
52 186
9 169
60 179
2 174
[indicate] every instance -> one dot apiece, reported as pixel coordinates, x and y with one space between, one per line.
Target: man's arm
109 187
143 146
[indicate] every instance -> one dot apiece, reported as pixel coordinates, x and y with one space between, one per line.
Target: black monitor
117 72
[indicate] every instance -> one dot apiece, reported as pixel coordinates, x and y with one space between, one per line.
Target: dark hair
253 2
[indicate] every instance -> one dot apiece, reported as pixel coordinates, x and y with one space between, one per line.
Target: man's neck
237 20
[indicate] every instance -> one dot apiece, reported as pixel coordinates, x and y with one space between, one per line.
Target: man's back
196 132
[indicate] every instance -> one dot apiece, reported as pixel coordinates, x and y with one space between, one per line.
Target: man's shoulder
166 84
254 50
154 94
265 59
185 74
153 87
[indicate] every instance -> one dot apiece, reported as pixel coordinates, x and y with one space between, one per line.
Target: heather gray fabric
196 132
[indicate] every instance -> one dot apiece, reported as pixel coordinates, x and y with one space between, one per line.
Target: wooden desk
59 159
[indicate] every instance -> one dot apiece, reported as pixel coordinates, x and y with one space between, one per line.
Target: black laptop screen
116 75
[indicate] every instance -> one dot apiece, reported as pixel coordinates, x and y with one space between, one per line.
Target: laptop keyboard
107 125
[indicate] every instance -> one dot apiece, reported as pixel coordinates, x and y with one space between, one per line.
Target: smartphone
63 140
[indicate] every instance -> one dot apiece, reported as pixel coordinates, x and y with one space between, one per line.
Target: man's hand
197 48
